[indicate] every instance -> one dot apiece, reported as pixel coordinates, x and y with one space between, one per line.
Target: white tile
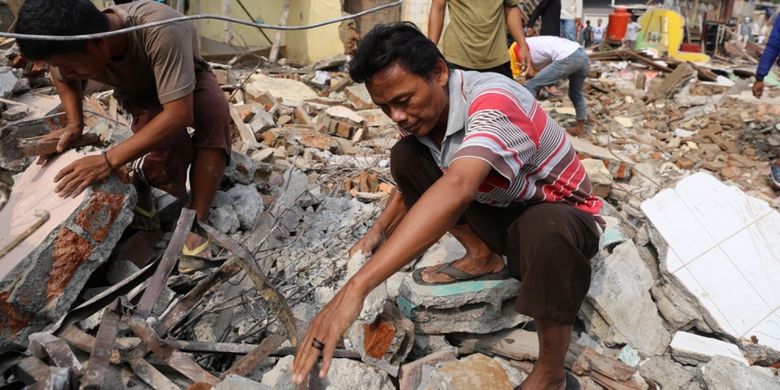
690 343
756 253
681 230
729 290
673 262
721 209
768 331
693 286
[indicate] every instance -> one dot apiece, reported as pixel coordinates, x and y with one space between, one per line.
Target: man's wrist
108 160
760 79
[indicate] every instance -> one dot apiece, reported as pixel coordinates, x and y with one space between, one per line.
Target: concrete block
688 348
474 306
343 374
235 382
475 371
41 277
622 310
722 373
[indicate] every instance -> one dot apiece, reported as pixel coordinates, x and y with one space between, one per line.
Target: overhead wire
81 37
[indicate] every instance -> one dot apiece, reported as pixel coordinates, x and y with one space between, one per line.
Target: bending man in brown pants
483 160
161 80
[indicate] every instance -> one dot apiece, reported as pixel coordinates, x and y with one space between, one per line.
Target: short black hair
386 44
57 17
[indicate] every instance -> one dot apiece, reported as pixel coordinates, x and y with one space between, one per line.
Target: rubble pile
308 175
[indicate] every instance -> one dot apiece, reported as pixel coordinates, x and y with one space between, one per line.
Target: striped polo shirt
495 119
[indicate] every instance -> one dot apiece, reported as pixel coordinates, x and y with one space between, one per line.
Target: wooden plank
244 131
278 37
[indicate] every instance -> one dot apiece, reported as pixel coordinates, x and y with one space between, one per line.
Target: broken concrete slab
723 249
475 306
410 375
286 89
722 373
623 311
235 382
359 97
343 374
8 81
666 374
385 342
516 344
599 175
241 168
224 218
246 202
78 237
475 371
678 307
16 113
692 349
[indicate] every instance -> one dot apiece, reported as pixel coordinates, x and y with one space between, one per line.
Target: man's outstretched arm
436 20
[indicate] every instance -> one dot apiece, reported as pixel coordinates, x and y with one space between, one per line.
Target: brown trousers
165 167
548 245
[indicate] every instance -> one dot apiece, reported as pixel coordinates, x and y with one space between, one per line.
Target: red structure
618 22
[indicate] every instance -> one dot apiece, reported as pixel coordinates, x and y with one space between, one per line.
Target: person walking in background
550 12
587 35
745 30
571 18
475 37
768 58
632 32
598 32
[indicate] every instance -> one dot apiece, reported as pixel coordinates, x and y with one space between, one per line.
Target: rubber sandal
457 276
145 219
572 383
197 251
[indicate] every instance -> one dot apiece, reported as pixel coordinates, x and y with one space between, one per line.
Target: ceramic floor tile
685 276
681 230
34 190
673 262
729 290
755 251
768 331
721 209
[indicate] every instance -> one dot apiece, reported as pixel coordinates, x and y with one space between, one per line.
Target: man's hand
80 174
327 329
758 89
371 241
65 137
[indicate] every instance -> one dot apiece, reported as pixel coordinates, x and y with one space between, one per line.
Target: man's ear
441 73
97 44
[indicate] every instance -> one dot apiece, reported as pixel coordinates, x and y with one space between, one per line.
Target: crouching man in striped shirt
481 159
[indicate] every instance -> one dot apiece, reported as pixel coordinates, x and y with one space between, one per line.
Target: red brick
70 251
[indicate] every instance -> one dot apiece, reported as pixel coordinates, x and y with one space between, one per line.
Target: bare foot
470 264
193 241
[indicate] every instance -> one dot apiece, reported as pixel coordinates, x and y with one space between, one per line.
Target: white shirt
598 33
632 30
571 9
547 49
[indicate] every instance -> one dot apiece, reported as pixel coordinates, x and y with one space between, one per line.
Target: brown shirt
160 61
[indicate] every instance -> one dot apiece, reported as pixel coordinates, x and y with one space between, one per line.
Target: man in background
598 33
632 32
571 18
476 35
587 35
550 12
768 58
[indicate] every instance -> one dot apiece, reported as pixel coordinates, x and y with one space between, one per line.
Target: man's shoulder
481 89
